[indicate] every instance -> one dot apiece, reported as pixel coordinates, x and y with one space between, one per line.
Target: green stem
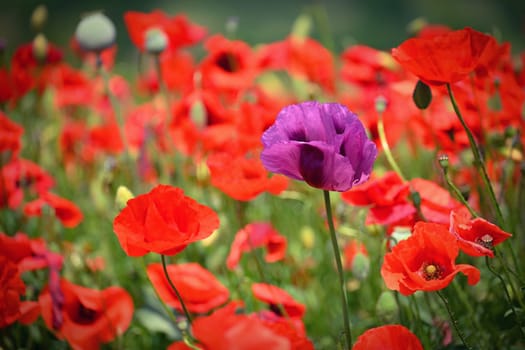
386 147
454 320
164 306
477 157
186 312
456 191
507 295
337 254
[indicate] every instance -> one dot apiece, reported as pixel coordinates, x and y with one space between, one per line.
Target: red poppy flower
21 177
179 30
301 57
163 221
277 297
476 237
391 337
425 261
10 138
89 317
66 211
253 236
387 197
436 202
227 329
199 288
446 58
230 64
11 288
243 178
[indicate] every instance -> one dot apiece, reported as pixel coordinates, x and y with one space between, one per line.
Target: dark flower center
311 165
228 62
83 315
486 241
432 272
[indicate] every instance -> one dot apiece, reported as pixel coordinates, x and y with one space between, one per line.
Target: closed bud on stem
39 17
422 95
156 41
443 162
40 47
380 104
386 307
360 266
95 32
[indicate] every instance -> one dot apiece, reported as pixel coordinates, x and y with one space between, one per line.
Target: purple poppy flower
323 144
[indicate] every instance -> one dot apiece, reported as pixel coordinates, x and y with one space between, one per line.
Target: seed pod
95 32
422 95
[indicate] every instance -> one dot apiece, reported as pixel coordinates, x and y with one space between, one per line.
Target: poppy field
226 195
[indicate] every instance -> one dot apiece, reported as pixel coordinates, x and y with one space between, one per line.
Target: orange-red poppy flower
425 261
200 290
179 30
391 337
277 298
243 178
255 235
445 58
476 237
351 250
163 221
89 317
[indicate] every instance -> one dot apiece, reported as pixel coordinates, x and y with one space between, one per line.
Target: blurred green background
378 23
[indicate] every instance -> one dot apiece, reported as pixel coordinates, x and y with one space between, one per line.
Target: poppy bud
123 196
39 17
360 266
156 41
422 95
40 47
95 32
386 307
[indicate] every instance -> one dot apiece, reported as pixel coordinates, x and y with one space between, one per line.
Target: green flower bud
360 266
123 196
95 32
39 17
386 307
422 95
40 47
156 41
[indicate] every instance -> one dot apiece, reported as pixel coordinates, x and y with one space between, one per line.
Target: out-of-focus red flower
89 317
387 197
243 178
163 221
21 177
227 329
72 87
255 235
352 248
179 30
199 288
11 288
391 337
301 57
229 66
277 298
7 88
476 237
436 202
425 261
446 58
96 263
10 138
146 123
66 211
